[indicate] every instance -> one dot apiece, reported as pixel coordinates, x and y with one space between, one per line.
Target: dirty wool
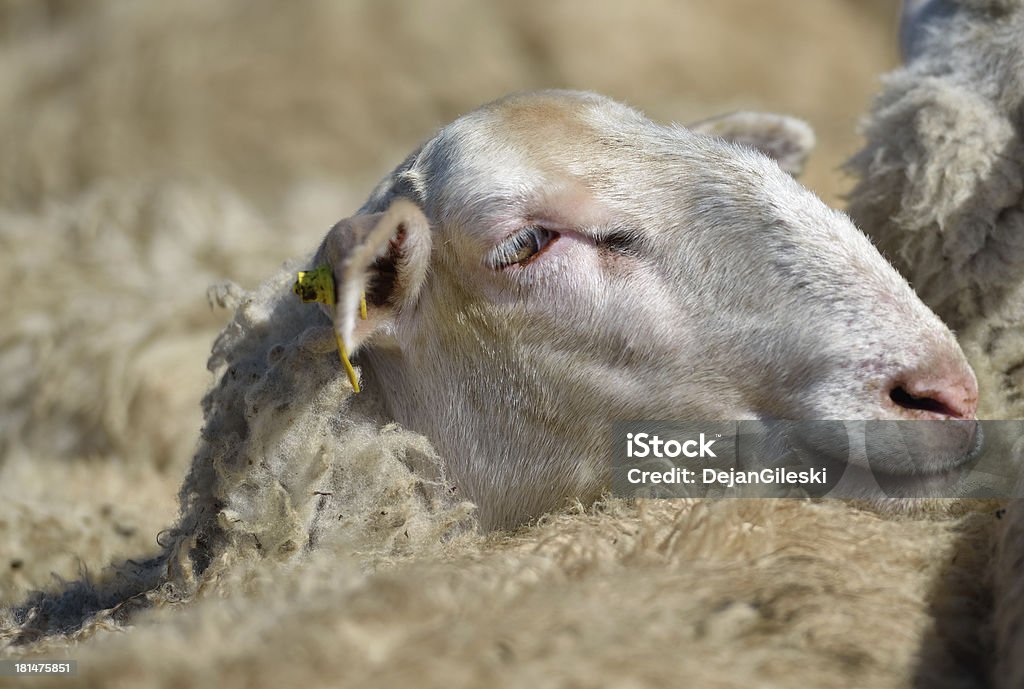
266 533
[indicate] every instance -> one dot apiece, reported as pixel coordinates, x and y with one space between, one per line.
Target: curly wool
289 460
941 190
940 183
101 331
736 593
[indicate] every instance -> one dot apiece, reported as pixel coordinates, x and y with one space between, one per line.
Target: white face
587 265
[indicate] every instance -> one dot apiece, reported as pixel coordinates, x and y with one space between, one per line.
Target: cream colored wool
337 558
101 332
289 461
725 594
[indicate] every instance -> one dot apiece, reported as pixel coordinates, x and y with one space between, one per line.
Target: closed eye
521 248
625 243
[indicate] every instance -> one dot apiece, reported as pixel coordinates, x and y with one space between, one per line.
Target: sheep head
555 261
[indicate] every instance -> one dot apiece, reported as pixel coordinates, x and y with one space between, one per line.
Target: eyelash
621 243
521 248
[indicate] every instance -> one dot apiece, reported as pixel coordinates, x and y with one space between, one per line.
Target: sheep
543 265
940 180
591 265
940 184
728 592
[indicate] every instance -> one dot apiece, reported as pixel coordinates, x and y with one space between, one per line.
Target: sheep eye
521 248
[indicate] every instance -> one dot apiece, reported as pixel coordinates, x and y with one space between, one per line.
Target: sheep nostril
927 403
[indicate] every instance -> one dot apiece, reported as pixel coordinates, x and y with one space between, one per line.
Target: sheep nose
944 390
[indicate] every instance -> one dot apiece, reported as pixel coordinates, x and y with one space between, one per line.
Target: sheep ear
379 257
785 139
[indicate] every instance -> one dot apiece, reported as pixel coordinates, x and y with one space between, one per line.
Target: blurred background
262 94
150 149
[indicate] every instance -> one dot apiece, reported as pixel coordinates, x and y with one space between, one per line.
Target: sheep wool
317 548
940 184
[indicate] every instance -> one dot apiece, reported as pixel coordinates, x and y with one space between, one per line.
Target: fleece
190 497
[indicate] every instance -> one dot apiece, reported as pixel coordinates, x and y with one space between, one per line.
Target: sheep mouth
922 448
899 458
945 454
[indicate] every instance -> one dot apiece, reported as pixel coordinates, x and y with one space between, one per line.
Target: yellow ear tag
318 285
